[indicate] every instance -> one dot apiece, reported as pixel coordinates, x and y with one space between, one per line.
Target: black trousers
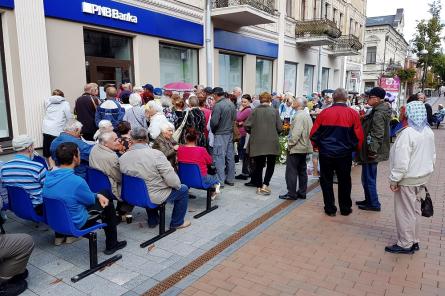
296 171
342 167
259 164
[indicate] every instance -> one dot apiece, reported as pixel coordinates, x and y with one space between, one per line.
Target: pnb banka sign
108 12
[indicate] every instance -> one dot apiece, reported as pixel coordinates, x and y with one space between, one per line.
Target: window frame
370 61
296 76
179 46
242 65
271 73
8 139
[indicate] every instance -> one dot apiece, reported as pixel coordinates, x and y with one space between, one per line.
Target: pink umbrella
179 86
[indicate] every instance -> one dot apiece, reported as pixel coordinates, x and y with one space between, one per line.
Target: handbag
427 205
178 132
236 133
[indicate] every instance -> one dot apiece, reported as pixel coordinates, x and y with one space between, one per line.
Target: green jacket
376 144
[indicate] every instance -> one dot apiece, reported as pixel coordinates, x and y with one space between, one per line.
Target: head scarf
416 113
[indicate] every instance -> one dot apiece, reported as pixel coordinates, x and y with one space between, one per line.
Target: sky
414 10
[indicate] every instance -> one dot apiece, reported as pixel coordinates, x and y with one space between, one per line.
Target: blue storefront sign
241 43
7 4
125 17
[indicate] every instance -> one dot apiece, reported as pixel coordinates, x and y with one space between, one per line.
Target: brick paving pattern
308 253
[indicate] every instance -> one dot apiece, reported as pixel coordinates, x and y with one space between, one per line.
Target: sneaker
58 241
396 249
12 288
72 239
415 247
266 190
213 196
118 246
186 223
217 188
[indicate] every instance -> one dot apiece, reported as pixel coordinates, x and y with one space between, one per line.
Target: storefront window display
178 64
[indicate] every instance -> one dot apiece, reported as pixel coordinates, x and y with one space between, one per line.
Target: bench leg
209 207
94 266
162 232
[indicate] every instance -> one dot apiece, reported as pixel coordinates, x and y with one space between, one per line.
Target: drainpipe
319 54
208 43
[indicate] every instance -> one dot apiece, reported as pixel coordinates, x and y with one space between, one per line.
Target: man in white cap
22 172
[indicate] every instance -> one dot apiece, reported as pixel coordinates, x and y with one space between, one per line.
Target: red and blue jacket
337 131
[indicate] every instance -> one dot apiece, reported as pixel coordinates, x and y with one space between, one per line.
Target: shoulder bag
178 132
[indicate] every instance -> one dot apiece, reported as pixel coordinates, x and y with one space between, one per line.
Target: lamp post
424 52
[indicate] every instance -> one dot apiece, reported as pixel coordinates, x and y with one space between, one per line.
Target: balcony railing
346 45
263 5
316 32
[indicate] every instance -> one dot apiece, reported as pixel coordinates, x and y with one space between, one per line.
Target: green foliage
406 75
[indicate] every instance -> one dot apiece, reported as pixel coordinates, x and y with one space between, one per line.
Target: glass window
371 54
5 128
263 75
308 86
230 71
324 78
290 78
289 8
106 45
178 64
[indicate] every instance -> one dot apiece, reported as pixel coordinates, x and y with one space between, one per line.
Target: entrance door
108 71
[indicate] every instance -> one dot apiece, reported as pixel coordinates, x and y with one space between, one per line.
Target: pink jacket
241 117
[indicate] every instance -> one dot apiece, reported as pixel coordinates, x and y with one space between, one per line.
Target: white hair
302 102
237 89
154 105
166 101
73 125
105 137
138 89
288 95
104 124
135 99
166 126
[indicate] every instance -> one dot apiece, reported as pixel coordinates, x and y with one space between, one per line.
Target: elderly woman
136 114
157 118
241 117
263 125
104 126
166 144
166 103
412 160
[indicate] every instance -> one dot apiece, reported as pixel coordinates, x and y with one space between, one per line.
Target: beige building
297 46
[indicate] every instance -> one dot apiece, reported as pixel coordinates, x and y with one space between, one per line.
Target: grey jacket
300 129
151 165
223 117
263 125
106 161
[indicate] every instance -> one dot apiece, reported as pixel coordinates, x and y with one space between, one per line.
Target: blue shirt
24 173
64 185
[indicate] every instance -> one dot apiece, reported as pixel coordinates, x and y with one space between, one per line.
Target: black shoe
250 184
241 177
415 247
368 208
361 202
118 246
395 249
287 197
13 288
191 196
301 196
346 213
24 275
229 183
331 214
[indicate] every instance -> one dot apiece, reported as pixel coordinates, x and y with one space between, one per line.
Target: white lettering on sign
108 12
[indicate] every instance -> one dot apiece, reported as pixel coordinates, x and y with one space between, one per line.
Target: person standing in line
375 147
299 145
429 110
57 113
242 115
221 124
238 93
336 133
264 126
110 109
85 110
412 160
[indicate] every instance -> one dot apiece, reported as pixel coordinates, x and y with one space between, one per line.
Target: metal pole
424 73
384 55
319 54
208 42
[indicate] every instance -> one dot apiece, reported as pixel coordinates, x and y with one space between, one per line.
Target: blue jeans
179 199
210 180
369 182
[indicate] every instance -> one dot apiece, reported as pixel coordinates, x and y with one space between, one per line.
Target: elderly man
103 157
110 109
162 182
238 93
221 125
71 133
336 133
376 147
24 173
85 109
299 145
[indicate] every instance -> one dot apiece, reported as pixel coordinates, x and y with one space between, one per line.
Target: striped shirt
24 173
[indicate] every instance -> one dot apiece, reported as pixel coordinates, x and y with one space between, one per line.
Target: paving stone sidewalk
309 253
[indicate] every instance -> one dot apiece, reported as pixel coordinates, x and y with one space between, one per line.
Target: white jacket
57 113
412 157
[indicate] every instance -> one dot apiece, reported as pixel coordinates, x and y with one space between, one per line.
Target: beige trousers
408 214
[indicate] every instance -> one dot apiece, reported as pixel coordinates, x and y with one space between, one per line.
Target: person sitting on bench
74 191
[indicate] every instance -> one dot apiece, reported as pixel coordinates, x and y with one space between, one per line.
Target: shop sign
108 12
390 84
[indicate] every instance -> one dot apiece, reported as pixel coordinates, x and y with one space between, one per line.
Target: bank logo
108 12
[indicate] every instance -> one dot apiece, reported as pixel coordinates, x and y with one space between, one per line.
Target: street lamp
423 52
